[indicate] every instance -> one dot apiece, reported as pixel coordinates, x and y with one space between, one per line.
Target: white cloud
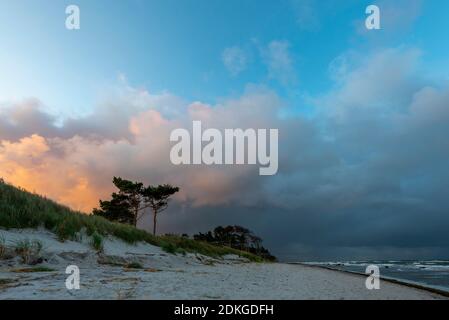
280 62
235 60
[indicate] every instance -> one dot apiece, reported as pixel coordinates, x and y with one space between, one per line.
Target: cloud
306 14
235 60
280 62
24 119
127 136
366 176
387 78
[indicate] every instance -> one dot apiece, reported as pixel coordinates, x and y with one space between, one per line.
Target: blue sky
178 46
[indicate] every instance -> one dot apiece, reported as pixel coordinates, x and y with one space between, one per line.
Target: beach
161 275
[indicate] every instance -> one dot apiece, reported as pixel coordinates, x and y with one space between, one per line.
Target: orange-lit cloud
77 169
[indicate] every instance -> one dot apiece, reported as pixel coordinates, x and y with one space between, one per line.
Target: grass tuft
34 269
97 242
28 250
2 246
134 265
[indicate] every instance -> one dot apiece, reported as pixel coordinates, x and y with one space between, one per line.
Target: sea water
431 273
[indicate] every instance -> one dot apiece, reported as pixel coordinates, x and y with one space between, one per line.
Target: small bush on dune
28 250
2 246
168 247
134 265
35 269
68 229
97 242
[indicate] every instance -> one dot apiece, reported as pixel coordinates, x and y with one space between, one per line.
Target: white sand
178 277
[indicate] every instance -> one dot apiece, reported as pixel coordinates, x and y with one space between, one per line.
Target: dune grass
34 269
2 246
134 265
97 242
28 249
20 209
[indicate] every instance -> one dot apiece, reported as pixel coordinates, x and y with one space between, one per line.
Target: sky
363 115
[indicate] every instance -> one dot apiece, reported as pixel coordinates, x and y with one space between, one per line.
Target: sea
430 273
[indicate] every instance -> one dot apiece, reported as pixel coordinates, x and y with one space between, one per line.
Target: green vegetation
20 209
34 269
5 281
28 250
129 204
236 237
97 242
189 245
2 246
134 265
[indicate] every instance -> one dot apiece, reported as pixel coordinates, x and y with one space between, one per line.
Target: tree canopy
129 203
236 237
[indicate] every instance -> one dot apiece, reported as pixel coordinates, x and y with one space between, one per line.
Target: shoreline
404 283
158 275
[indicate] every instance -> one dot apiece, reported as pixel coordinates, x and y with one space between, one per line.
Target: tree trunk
154 222
136 213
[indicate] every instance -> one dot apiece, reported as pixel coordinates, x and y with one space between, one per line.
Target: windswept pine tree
128 205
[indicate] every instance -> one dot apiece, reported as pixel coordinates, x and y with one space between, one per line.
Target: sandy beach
162 275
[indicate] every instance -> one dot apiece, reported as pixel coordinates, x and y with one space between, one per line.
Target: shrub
68 229
2 246
134 265
168 247
28 250
35 269
97 242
